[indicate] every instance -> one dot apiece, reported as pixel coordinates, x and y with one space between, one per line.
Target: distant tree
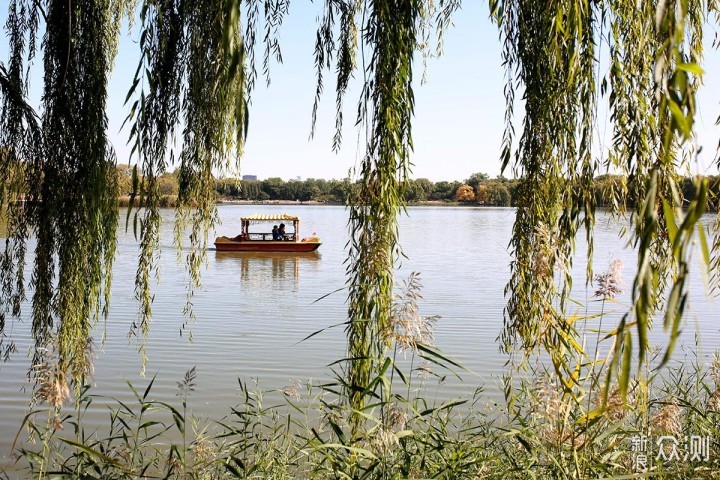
512 186
310 192
444 190
275 188
605 190
464 193
231 187
168 184
340 190
425 186
476 179
496 194
302 190
481 194
315 187
321 185
416 190
714 192
440 190
292 190
124 178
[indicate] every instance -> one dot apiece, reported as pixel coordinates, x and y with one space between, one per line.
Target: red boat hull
227 245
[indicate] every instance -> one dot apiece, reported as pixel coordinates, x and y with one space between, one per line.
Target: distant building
252 178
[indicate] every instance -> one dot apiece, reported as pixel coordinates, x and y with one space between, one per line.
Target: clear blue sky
458 115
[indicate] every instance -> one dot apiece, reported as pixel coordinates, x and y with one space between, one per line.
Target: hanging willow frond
77 215
655 49
57 181
391 34
215 115
551 52
197 71
119 11
274 12
714 10
20 161
154 116
663 234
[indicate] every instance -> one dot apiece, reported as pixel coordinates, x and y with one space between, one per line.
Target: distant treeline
485 191
605 186
478 189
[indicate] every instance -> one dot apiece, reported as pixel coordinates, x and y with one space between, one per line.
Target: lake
253 311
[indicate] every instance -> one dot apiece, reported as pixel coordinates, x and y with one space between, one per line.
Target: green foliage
128 446
63 186
444 190
552 52
494 194
124 179
192 68
543 428
476 179
275 188
310 435
392 32
663 246
609 192
499 195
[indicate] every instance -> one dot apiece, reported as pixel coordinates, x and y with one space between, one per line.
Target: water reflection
254 266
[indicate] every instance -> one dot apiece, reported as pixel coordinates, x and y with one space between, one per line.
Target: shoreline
170 201
429 203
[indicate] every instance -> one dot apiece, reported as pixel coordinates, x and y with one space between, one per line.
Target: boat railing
269 236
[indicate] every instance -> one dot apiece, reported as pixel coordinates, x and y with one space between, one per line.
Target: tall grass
542 428
538 431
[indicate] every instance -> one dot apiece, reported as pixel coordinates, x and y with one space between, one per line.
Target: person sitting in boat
276 233
281 231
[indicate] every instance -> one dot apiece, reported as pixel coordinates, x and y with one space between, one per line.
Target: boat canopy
279 217
258 217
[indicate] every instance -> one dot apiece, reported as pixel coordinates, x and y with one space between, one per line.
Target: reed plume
383 441
667 419
408 328
293 389
610 283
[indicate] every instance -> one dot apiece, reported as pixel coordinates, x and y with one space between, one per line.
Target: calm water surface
253 310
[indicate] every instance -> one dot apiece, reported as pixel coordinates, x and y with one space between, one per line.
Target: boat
268 241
